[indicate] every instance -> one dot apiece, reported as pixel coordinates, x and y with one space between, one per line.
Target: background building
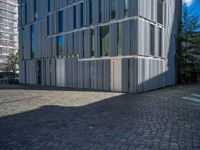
112 45
8 29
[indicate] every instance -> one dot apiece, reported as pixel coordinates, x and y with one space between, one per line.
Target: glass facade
60 46
74 17
49 5
92 43
160 41
8 30
47 25
60 21
152 40
119 38
125 8
32 41
113 9
160 6
104 40
35 12
113 45
82 15
25 17
39 72
90 12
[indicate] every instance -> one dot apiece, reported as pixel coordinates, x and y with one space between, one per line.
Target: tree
12 63
188 47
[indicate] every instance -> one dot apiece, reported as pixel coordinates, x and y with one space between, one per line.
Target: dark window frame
160 41
92 43
60 21
32 41
48 25
160 11
152 40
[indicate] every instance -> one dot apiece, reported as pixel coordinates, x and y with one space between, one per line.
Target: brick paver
56 119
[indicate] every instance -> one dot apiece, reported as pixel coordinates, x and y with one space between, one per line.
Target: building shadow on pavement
122 122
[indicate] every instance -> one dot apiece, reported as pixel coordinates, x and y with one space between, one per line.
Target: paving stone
35 118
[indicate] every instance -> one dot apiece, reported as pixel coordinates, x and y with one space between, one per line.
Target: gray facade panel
94 33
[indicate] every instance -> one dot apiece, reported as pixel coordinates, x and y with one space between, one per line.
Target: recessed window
152 39
39 72
35 11
104 40
47 25
90 11
60 21
92 43
59 46
23 52
75 17
49 5
25 13
160 11
126 8
99 10
82 14
113 9
160 42
119 38
32 41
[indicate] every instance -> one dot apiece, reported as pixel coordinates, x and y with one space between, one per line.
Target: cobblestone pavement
58 119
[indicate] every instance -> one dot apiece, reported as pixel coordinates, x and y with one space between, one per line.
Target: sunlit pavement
54 119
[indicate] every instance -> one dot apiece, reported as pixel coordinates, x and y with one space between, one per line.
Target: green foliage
12 63
188 46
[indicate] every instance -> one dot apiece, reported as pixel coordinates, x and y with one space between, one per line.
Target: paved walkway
54 119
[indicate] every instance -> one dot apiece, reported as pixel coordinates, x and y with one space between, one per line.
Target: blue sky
193 4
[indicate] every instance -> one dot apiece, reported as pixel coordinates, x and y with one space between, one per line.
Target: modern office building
112 45
8 30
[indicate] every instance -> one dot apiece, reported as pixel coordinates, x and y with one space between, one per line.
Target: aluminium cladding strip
95 74
78 68
135 38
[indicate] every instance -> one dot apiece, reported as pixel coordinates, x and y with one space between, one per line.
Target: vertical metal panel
145 72
100 74
67 72
156 42
113 40
81 74
27 43
54 47
134 75
87 44
134 37
48 79
125 75
43 73
65 45
75 71
106 82
95 11
97 42
86 11
70 44
53 72
133 7
126 38
120 9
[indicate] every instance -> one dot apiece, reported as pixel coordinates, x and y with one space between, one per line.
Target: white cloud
188 2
